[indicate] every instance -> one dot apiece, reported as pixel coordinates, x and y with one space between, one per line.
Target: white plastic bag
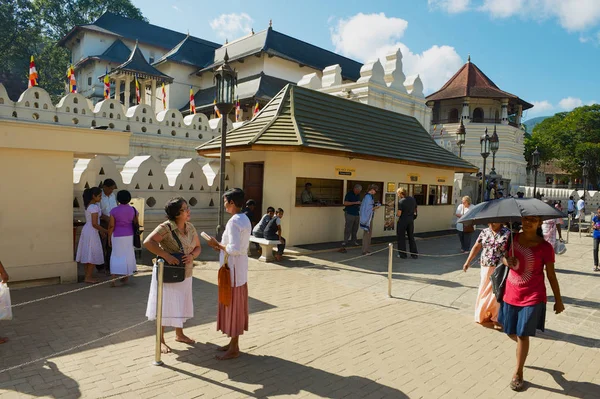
5 306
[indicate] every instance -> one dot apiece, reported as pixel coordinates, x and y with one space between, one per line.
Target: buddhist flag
137 89
72 80
238 111
192 101
434 128
33 75
164 99
106 85
256 108
217 109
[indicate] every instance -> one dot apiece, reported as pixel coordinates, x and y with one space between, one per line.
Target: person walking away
351 216
493 243
366 213
571 208
3 280
464 232
596 226
581 209
273 232
232 320
550 227
89 249
120 237
107 204
524 307
407 212
178 302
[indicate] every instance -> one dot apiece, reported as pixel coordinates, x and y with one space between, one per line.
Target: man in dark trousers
407 211
352 218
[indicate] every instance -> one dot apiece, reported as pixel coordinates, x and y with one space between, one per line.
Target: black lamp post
226 80
461 137
494 146
535 164
584 173
484 141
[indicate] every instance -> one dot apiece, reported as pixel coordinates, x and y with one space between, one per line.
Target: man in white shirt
107 203
581 209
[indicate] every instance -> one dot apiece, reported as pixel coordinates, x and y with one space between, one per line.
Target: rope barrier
431 256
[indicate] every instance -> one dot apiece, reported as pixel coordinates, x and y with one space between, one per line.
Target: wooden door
253 186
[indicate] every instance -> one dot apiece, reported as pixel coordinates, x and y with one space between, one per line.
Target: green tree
571 138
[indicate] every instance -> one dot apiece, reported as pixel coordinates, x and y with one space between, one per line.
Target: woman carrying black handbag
176 236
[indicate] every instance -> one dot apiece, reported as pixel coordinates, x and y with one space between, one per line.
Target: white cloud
569 103
450 6
232 26
541 108
176 8
369 36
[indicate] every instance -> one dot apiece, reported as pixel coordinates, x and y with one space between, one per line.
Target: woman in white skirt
178 304
89 249
120 237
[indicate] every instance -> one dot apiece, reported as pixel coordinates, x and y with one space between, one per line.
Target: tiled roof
470 81
137 64
189 51
280 45
117 53
320 122
261 87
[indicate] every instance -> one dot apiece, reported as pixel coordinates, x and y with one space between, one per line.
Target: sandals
517 384
596 269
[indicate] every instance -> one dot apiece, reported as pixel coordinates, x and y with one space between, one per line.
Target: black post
493 162
483 180
460 151
534 182
225 109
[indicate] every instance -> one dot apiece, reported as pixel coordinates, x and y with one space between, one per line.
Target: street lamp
461 137
225 81
535 164
485 152
494 146
584 173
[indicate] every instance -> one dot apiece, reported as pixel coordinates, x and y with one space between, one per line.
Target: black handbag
137 240
498 279
174 273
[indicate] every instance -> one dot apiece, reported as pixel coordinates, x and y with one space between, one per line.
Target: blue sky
545 51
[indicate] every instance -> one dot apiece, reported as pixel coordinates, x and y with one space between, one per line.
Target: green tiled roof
320 122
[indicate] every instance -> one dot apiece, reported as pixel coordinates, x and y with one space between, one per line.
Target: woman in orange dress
493 243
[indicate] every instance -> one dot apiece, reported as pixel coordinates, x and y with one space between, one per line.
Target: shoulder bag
137 239
499 276
224 282
470 228
174 273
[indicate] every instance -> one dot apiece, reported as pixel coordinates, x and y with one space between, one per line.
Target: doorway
253 186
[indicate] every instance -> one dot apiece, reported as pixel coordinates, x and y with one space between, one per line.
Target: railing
478 120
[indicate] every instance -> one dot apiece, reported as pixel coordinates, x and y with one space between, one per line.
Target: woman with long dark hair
232 320
120 237
178 303
524 308
89 249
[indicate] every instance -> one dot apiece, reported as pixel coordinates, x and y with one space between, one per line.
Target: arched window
453 116
478 115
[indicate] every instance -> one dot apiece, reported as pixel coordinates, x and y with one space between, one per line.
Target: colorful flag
192 101
217 109
137 89
164 99
33 75
238 111
434 128
256 109
72 80
106 85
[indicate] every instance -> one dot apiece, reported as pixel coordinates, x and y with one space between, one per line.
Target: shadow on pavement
571 338
278 376
573 389
578 273
577 302
48 371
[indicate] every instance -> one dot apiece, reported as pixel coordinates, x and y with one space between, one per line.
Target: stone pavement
318 328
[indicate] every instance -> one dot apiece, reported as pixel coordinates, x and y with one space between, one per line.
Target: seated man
273 232
307 196
249 209
259 229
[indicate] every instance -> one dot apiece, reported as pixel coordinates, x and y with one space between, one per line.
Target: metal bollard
159 302
390 257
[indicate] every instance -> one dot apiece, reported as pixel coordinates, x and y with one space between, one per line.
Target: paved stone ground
318 328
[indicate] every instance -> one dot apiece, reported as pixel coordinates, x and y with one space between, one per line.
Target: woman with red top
524 307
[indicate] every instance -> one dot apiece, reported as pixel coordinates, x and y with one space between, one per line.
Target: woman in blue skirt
524 308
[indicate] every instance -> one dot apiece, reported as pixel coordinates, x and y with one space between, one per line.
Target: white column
504 114
466 111
143 92
153 99
127 91
519 114
117 89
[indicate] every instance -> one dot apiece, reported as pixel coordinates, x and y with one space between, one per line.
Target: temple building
472 98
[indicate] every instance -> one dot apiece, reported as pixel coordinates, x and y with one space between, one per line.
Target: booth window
440 195
378 197
325 192
418 191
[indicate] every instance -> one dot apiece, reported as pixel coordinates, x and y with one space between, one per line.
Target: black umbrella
509 210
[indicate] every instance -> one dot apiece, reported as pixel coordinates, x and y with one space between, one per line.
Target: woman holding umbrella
524 308
493 243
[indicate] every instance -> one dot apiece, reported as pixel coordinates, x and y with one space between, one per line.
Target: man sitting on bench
273 232
259 229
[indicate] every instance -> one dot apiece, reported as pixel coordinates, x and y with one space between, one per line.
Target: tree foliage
570 138
33 27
